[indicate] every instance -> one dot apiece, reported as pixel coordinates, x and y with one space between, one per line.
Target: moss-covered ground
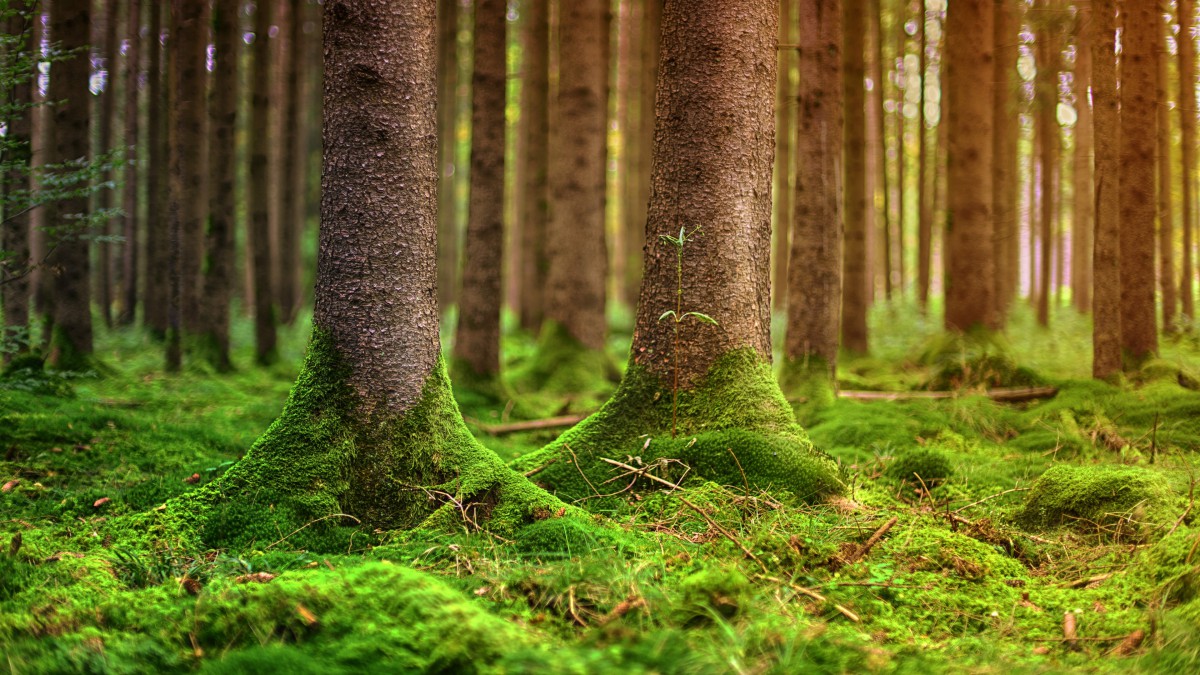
1007 518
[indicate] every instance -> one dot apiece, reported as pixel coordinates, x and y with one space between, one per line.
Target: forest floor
1044 536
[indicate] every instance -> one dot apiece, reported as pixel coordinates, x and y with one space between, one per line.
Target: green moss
809 385
562 365
735 428
1112 498
978 358
722 591
551 538
928 465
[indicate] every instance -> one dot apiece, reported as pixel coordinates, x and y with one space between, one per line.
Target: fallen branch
1006 395
527 425
643 472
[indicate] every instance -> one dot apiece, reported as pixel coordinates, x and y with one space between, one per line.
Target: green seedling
678 316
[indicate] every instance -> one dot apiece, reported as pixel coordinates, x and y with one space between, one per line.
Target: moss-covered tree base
735 428
322 465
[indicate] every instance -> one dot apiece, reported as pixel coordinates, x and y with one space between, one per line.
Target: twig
641 472
575 460
727 534
527 425
1080 583
534 472
311 522
964 508
745 482
1154 438
815 596
863 550
571 607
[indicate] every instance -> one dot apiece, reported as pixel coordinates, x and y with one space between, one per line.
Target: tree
855 274
1166 213
924 175
1084 209
970 299
1004 155
371 432
1046 109
129 219
258 235
158 259
293 171
782 210
222 205
16 260
107 198
879 243
1187 146
1106 252
69 220
447 286
477 341
699 388
535 130
815 281
1139 332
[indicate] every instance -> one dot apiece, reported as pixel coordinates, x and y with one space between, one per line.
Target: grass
718 577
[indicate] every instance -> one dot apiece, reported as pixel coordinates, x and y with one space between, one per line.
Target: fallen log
1016 395
527 425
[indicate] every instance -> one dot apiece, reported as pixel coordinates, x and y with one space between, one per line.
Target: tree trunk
855 275
69 264
535 112
815 281
1139 332
1166 213
106 198
1106 255
158 258
477 344
782 211
129 220
652 14
1187 129
258 239
220 252
708 386
15 233
1084 210
924 189
447 278
1004 153
291 174
1046 103
575 246
878 120
901 76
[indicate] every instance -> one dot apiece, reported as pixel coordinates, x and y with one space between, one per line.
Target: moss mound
930 466
718 592
736 428
975 359
568 538
1114 499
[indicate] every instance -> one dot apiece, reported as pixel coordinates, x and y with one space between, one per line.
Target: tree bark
106 198
1004 153
877 72
970 56
1084 210
535 118
447 279
158 258
782 211
15 233
129 220
652 14
477 343
1167 281
1106 255
68 129
855 275
1139 332
1046 103
292 168
901 128
1187 149
924 189
258 239
815 281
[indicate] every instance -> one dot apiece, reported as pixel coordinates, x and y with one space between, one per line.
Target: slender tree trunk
901 74
155 297
785 141
1048 144
1166 213
291 174
1187 148
924 189
633 220
618 203
15 233
1084 210
107 197
129 220
970 32
40 279
815 281
447 278
1004 153
477 344
258 239
1106 255
220 253
1139 332
855 276
69 264
535 111
652 14
878 144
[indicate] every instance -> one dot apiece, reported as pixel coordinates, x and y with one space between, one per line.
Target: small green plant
678 316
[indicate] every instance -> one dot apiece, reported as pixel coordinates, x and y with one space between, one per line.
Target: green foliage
979 358
928 466
719 592
562 367
1116 499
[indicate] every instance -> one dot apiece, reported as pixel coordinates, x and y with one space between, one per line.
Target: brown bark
535 111
712 170
107 197
187 200
1046 103
258 235
815 281
924 189
477 343
15 286
129 219
156 292
855 276
292 168
222 205
447 277
1139 334
68 124
899 18
1106 254
651 33
970 56
786 114
625 67
1168 284
575 246
1083 212
878 147
1187 149
1004 153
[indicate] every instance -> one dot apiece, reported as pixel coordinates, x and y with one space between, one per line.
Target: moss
734 428
977 358
551 538
723 591
809 385
929 465
1114 498
562 365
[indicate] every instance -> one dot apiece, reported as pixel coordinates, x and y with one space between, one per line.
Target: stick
1008 395
1130 643
863 550
1080 583
527 425
815 596
990 497
641 472
727 534
534 472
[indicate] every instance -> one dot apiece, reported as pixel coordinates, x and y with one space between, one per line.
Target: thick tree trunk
107 197
1167 282
15 233
158 258
258 239
815 281
447 277
291 174
1187 148
700 393
782 211
535 130
222 206
1046 103
1004 153
477 343
924 189
970 299
1084 210
69 263
129 220
1139 332
855 274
